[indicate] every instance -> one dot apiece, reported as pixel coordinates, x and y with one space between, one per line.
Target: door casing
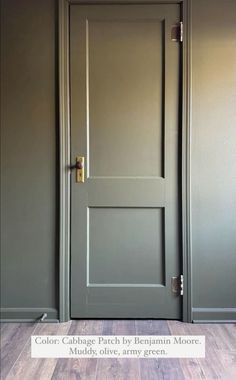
64 149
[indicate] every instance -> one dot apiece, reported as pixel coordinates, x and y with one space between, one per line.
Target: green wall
28 159
29 252
214 159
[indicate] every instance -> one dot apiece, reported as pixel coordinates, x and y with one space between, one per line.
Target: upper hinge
177 32
177 285
181 285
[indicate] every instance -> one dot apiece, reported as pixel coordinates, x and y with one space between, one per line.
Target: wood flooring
17 364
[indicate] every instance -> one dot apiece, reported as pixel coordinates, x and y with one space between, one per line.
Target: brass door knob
79 166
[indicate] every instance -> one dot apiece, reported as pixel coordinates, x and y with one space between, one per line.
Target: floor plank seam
21 352
96 370
139 361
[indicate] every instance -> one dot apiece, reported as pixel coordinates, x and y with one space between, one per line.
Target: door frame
64 150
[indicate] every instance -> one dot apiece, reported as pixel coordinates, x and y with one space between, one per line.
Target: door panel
112 262
124 121
123 59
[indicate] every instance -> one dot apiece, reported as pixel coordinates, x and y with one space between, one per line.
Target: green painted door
124 78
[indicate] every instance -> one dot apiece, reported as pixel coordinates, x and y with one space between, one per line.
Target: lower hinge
177 285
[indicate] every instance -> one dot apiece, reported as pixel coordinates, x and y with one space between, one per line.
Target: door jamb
64 146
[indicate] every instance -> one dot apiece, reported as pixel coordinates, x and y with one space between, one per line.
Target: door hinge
177 285
177 31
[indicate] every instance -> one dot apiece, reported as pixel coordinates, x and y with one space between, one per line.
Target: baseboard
21 314
200 315
214 315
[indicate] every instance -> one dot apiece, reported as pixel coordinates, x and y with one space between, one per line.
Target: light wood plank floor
220 361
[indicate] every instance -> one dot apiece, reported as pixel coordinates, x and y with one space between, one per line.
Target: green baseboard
214 315
15 314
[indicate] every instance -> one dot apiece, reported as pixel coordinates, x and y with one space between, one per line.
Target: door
124 83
